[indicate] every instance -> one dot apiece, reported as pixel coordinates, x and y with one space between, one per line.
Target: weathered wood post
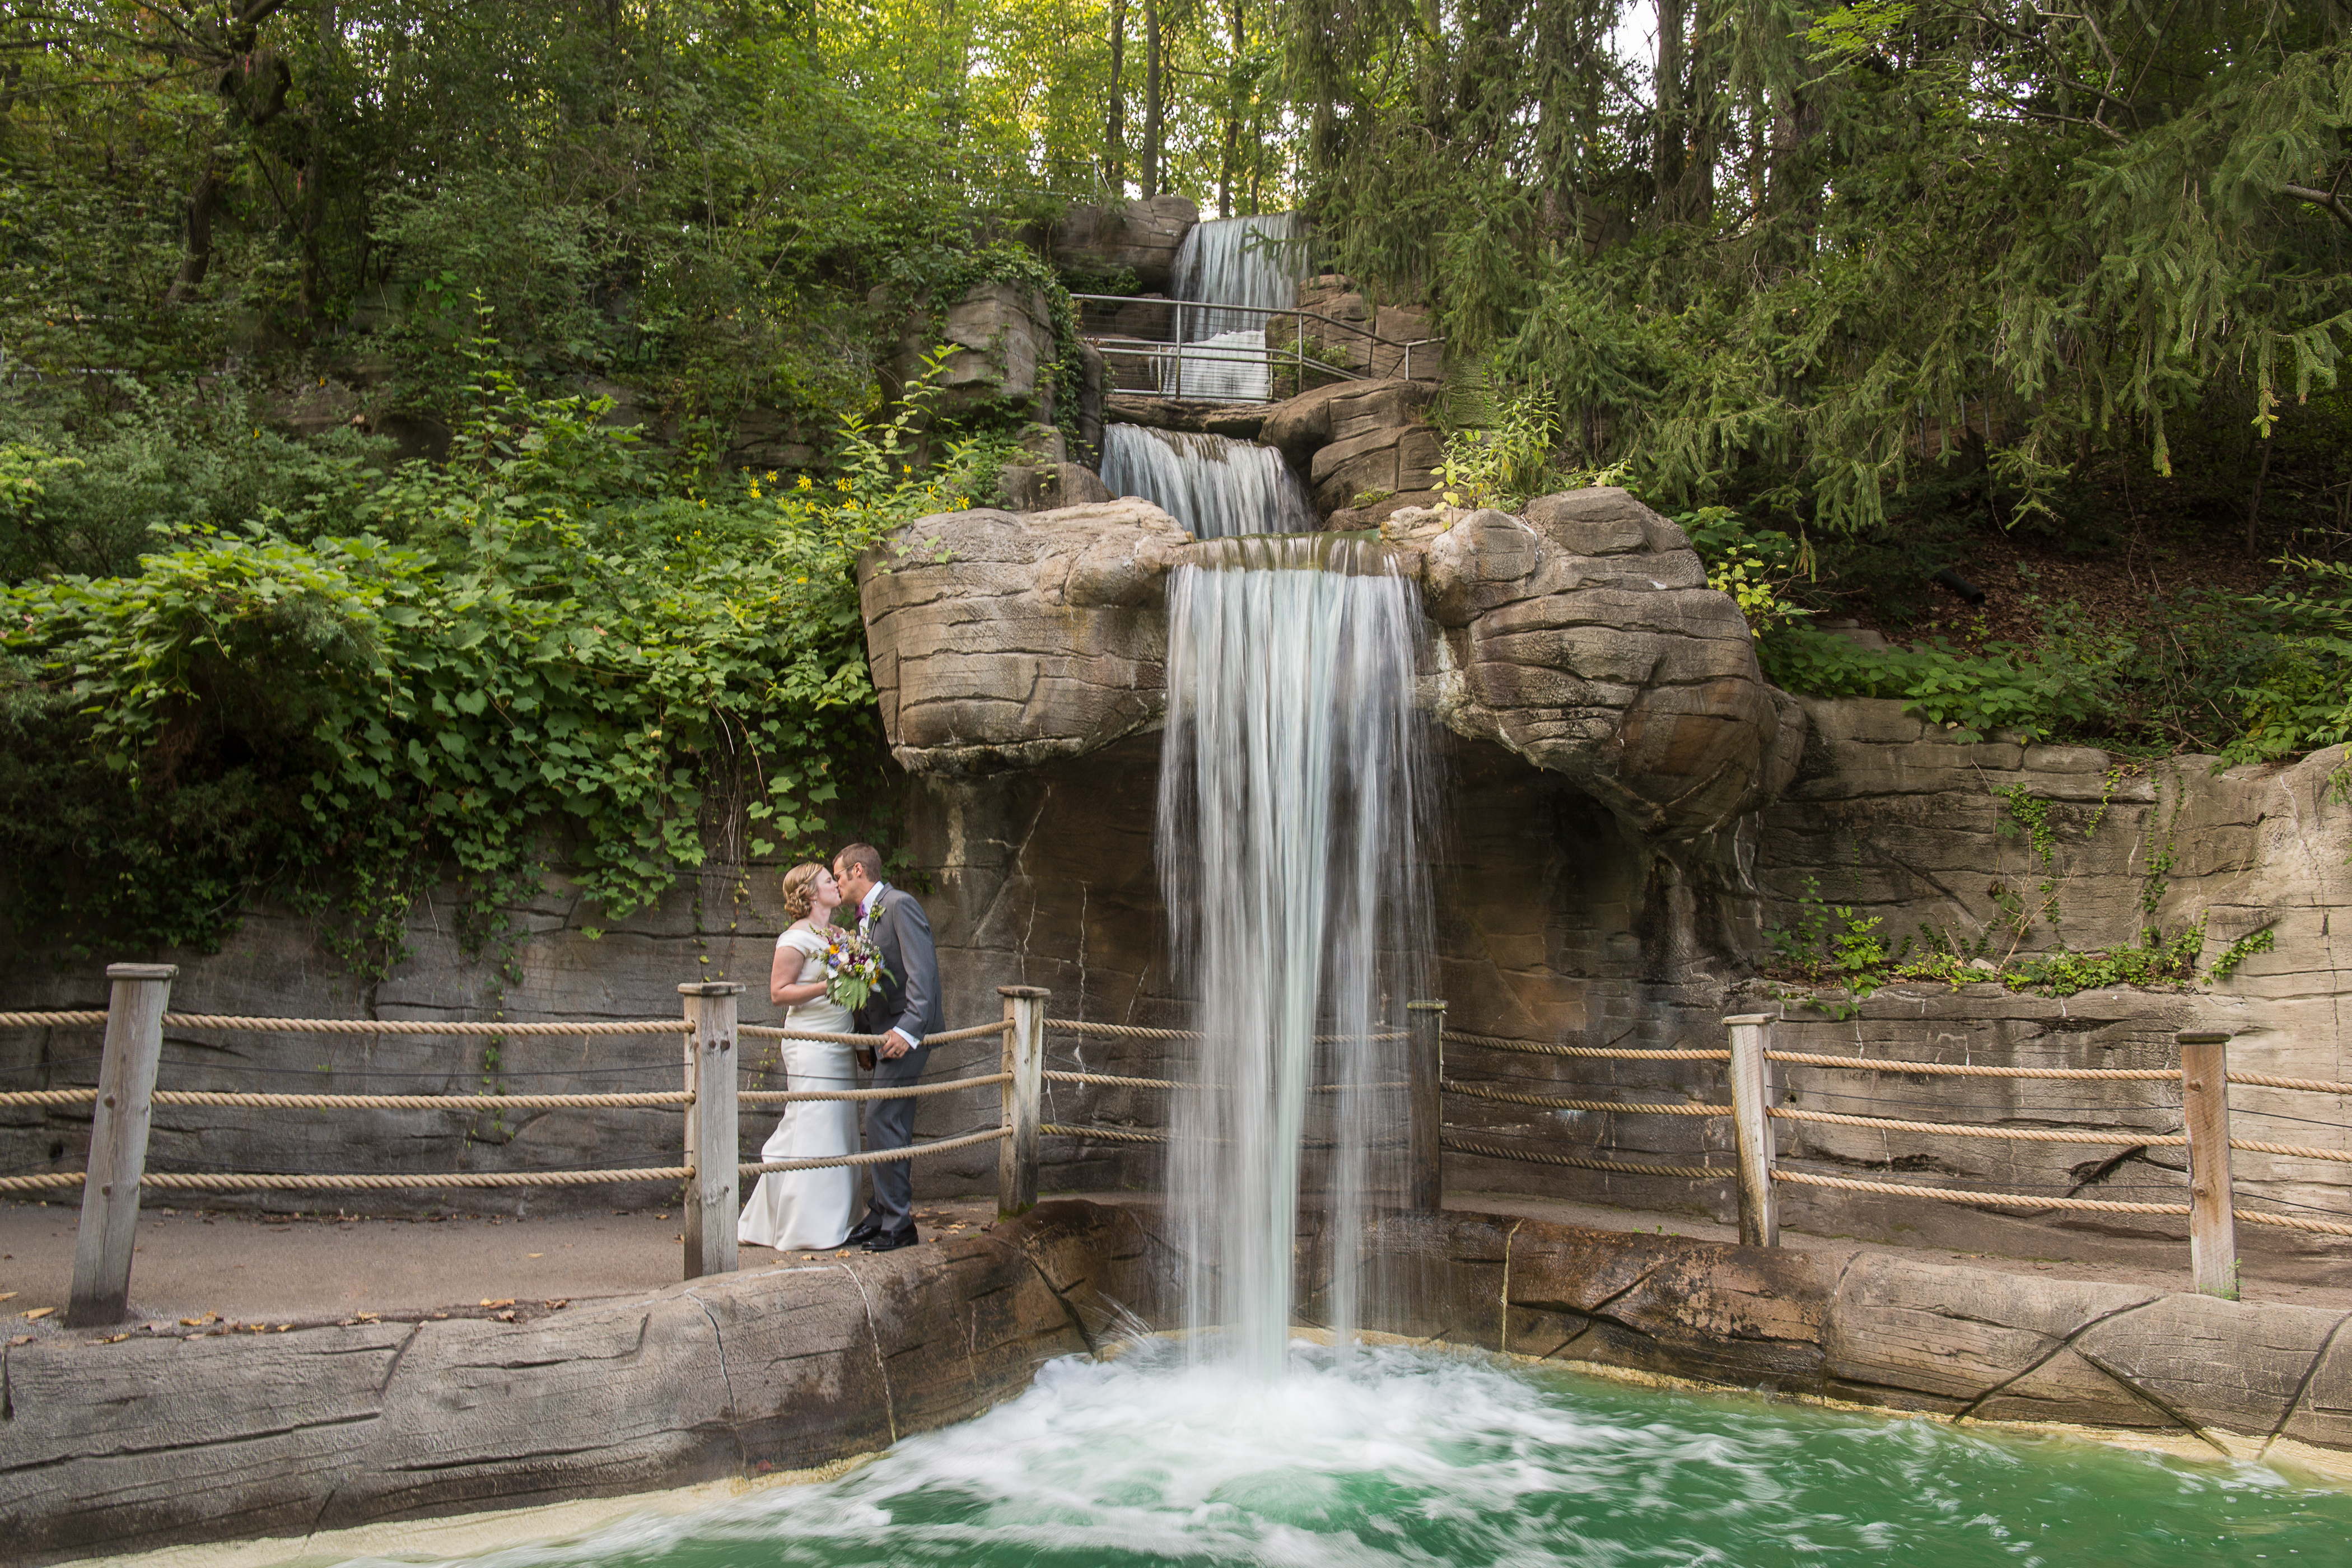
1024 1099
1751 1121
118 1141
2212 1199
712 1200
1425 1114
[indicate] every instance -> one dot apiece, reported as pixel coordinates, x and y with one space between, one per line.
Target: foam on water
1412 1457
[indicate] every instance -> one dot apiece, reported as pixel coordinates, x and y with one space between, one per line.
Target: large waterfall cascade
1215 486
1293 790
1221 354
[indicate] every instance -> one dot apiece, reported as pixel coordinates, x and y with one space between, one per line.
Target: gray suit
908 1000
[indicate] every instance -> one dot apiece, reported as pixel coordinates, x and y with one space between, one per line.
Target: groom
905 1011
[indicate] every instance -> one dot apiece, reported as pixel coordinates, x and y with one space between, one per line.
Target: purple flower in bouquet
853 967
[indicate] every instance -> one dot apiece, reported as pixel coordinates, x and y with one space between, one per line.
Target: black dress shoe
891 1240
864 1231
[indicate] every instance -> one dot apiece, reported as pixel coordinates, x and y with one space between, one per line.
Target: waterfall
1293 788
1238 261
1221 354
1214 487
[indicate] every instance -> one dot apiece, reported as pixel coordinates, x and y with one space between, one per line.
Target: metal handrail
1108 344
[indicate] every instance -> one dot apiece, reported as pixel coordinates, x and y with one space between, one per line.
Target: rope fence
126 1094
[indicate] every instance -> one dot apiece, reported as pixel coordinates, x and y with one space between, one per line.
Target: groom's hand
894 1046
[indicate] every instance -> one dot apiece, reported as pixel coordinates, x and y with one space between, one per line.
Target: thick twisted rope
2292 1151
770 1032
365 1102
210 1182
1983 1200
1116 1134
48 1020
2293 1222
43 1181
1479 1091
2313 1085
1540 1157
1527 1047
1119 1031
1107 1080
415 1027
2117 1136
917 1091
1954 1069
876 1156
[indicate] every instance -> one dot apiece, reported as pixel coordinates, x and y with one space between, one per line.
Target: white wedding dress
809 1210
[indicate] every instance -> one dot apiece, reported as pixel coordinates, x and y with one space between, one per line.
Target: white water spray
1214 487
1252 261
1292 792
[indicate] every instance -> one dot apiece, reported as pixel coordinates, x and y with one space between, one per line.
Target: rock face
125 1446
1141 235
1048 485
1585 638
1358 439
1003 339
1344 329
1002 641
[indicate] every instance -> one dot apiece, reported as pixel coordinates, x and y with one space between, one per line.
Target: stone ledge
119 1447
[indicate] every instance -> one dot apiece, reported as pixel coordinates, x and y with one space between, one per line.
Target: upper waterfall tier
1214 487
1245 261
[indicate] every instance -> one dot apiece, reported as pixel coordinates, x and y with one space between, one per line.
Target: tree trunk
1114 129
1669 131
1151 106
1232 121
199 257
1703 108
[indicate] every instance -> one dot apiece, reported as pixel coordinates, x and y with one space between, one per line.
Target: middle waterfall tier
1213 487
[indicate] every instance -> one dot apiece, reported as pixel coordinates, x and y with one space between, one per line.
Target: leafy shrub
543 639
2071 685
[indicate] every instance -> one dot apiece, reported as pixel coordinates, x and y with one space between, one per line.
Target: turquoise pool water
1407 1457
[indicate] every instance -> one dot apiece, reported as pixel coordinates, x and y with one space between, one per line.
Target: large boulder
1582 637
1141 236
1002 641
1585 637
1358 442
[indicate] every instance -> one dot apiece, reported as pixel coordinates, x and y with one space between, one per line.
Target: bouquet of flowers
853 967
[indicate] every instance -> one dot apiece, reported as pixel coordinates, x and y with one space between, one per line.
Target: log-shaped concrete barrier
150 1440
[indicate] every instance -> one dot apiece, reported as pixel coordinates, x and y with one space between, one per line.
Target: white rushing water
1252 261
1425 1459
1214 487
1220 355
1293 788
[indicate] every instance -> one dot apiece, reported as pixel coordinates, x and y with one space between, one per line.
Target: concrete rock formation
1048 485
1584 638
1141 236
1002 641
1359 439
115 1448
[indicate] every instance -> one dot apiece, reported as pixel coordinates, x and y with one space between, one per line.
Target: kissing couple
811 1210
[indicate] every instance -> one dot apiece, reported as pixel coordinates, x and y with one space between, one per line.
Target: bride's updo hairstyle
799 890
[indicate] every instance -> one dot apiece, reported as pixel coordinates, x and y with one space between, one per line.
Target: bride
807 1210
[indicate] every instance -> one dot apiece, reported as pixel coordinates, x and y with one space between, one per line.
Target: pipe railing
124 1099
1163 359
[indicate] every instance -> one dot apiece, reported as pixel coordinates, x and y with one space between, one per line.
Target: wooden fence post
1024 1099
1751 1121
2212 1199
1424 1073
138 996
712 1195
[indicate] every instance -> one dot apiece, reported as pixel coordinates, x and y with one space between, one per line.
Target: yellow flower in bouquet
853 967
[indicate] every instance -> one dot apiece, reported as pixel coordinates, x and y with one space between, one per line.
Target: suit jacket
909 999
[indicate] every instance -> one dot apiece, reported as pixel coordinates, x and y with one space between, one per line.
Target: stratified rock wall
1003 641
